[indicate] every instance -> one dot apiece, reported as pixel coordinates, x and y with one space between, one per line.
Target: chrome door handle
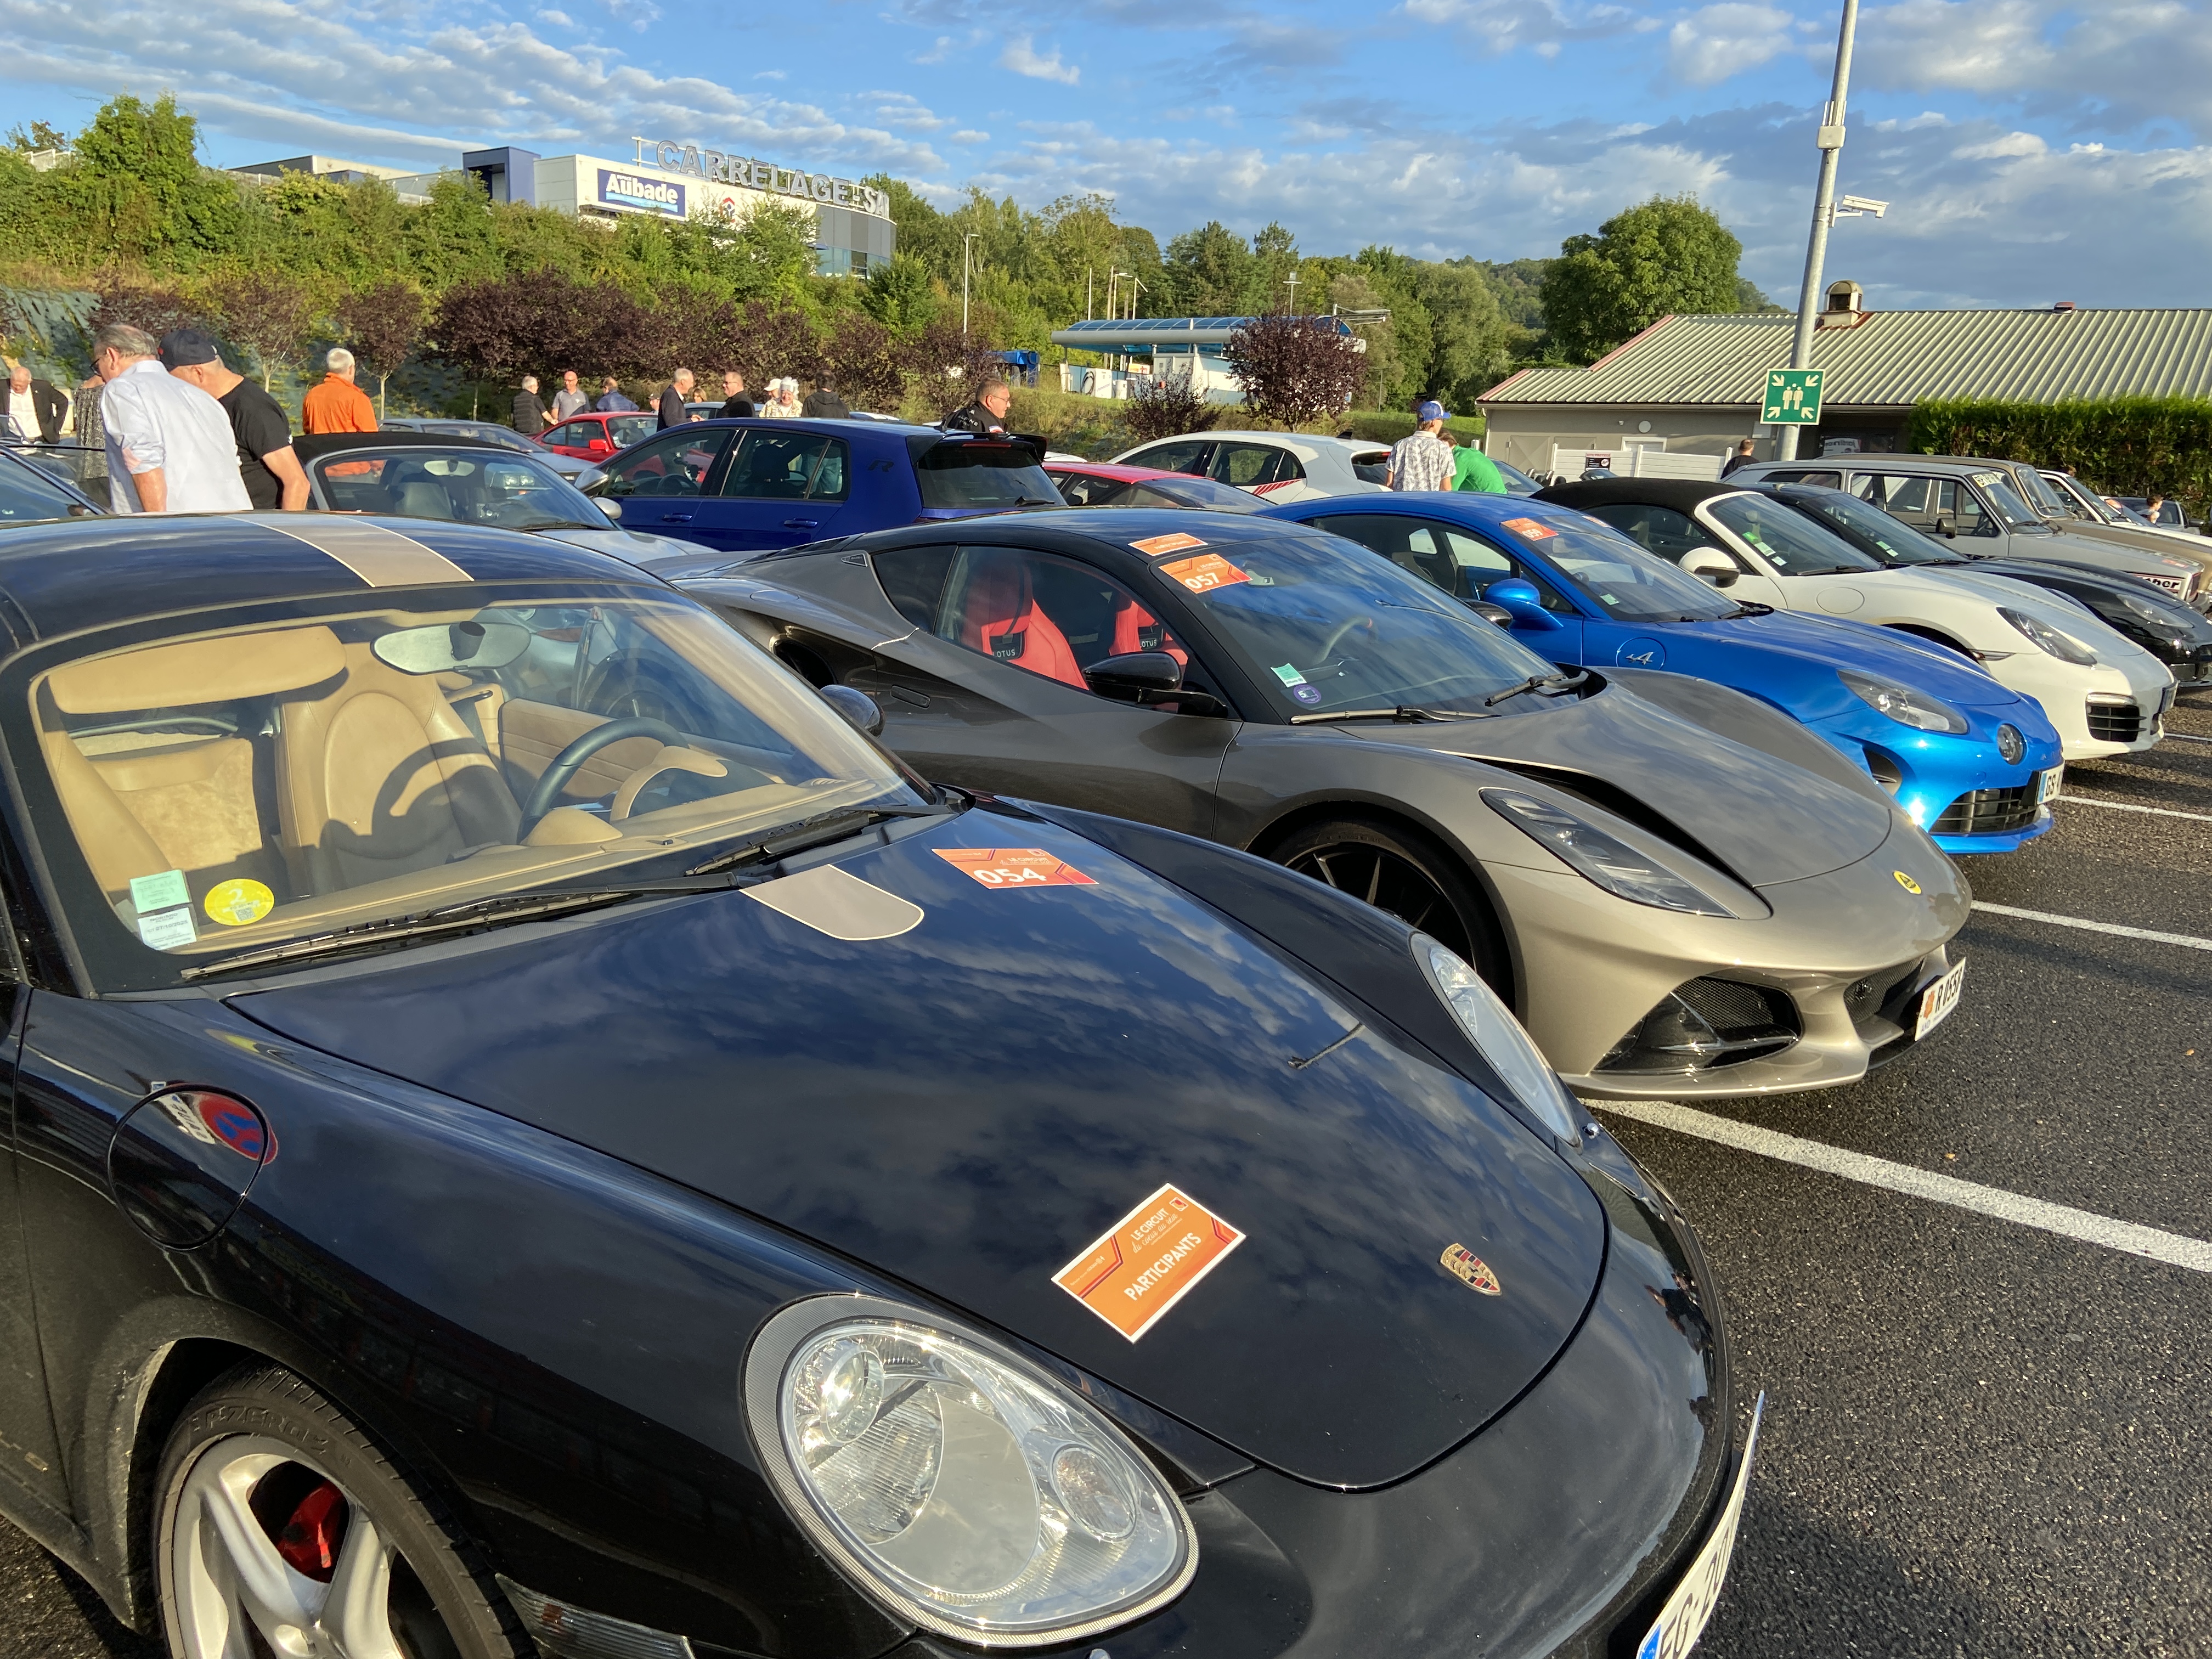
800 524
676 518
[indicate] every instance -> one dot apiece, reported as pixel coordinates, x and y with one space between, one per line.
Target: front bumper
1555 1532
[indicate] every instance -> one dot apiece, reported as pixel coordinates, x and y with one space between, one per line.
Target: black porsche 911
530 1129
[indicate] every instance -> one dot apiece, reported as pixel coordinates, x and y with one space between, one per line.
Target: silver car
1982 504
1283 466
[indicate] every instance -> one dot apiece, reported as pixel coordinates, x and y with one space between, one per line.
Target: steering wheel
1328 647
565 764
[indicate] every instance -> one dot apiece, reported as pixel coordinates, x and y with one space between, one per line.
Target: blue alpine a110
1975 763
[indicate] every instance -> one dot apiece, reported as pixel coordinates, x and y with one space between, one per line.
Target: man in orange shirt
337 404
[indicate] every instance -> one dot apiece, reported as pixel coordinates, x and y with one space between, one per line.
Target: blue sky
2035 151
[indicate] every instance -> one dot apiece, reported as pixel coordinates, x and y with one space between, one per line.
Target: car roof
1683 495
313 445
1483 507
1119 474
66 574
1887 460
1284 440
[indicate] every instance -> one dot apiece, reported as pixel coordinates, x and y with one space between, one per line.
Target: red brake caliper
309 1539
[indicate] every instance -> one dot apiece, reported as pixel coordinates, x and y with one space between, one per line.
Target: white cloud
1542 26
560 19
1716 42
969 136
771 74
1021 55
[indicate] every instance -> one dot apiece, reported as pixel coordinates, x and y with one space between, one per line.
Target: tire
1411 876
272 1510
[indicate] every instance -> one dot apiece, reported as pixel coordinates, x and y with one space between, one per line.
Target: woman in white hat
783 399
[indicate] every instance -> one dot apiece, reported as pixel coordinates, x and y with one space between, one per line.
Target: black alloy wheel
1409 875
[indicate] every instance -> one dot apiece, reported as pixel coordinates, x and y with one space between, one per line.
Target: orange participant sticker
1014 866
1205 573
1151 1259
1160 546
1530 528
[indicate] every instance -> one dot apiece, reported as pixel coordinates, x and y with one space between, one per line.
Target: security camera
1852 206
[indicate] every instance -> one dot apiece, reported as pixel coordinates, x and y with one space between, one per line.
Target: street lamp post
1830 138
1291 282
975 235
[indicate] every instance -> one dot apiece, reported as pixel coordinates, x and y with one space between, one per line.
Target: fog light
2011 745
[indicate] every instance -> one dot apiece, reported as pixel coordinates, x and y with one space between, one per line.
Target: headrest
198 671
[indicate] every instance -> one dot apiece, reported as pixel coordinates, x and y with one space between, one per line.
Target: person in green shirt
1472 470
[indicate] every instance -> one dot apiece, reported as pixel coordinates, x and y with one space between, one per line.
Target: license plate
1683 1620
1937 1001
2052 782
2177 586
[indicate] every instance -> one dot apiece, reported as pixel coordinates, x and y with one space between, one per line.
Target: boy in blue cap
1423 461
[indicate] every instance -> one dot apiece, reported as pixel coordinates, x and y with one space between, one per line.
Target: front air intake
1706 1024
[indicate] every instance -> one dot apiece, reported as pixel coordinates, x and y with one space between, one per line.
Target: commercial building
1690 387
854 231
1145 348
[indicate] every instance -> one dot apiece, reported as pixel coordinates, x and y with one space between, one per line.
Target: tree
1382 370
774 341
1209 272
266 312
137 183
383 325
490 328
769 253
948 366
39 138
1167 407
901 296
1294 368
1668 255
1471 343
862 356
156 310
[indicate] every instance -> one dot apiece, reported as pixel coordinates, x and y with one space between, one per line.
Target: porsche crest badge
1470 1269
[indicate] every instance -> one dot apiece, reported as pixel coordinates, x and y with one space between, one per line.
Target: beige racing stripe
380 558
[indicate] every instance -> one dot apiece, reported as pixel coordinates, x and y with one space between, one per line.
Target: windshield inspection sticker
235 903
1308 695
164 904
1205 573
1289 675
1149 1260
1160 546
1529 528
1014 866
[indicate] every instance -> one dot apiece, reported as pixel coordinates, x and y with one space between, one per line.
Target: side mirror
1490 613
1710 564
611 507
601 447
1522 603
1942 527
861 711
1136 674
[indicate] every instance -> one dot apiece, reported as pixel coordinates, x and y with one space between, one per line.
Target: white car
2106 694
1283 466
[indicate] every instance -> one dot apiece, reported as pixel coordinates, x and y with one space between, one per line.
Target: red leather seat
1000 617
1136 628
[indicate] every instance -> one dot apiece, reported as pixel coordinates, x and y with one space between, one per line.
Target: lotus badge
1906 881
1470 1269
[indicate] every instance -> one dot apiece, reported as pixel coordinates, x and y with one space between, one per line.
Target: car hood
637 547
1826 643
1766 820
971 1105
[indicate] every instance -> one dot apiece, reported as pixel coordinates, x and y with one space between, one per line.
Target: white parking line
2095 927
2129 806
2176 1249
2188 737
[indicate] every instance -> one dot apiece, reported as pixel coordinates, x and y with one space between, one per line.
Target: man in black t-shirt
271 470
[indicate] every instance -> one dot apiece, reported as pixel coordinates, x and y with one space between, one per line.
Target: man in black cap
266 465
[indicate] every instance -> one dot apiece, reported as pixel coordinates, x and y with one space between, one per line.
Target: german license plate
2052 782
1937 1001
1683 1620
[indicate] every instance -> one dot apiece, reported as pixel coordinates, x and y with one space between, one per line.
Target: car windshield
628 429
1324 624
466 486
1518 482
27 493
1868 528
1786 540
230 784
1625 582
2042 491
2005 500
1206 493
967 473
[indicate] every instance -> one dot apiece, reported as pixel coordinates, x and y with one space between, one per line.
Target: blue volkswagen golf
1973 763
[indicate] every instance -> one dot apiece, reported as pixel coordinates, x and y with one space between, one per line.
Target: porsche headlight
2047 638
1605 860
1903 704
965 1489
1489 1025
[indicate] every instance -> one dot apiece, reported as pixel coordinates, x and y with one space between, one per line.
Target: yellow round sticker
1903 880
234 903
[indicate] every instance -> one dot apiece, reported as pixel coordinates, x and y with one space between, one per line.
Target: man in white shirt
31 410
1423 461
170 449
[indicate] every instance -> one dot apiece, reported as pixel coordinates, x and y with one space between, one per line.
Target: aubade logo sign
667 157
627 190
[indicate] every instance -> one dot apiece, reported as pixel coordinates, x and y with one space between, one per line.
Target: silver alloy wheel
230 1582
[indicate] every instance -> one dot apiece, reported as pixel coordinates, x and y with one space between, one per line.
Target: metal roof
1892 360
1111 333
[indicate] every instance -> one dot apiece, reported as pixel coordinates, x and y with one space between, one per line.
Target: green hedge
2125 446
1387 426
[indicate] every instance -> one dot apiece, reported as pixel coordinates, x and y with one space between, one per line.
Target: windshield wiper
1402 712
1549 684
809 832
446 919
1748 608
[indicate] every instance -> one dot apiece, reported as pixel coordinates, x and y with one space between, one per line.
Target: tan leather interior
216 671
673 759
381 777
532 734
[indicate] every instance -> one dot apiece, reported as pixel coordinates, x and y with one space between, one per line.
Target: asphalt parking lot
1982 1437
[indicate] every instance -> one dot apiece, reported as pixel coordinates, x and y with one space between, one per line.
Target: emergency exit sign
1791 397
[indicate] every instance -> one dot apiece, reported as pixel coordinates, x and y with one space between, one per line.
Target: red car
1099 484
592 437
